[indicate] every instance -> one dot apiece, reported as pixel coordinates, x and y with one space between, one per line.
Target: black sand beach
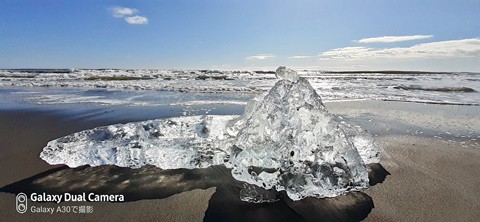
431 153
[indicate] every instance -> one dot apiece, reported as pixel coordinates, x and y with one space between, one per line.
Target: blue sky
333 35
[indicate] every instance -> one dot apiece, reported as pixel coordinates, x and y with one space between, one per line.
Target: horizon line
248 69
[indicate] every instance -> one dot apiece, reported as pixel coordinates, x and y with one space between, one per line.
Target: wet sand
432 179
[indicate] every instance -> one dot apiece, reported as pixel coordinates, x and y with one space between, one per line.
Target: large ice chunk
183 142
285 140
288 141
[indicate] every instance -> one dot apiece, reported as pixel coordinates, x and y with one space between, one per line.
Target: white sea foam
415 87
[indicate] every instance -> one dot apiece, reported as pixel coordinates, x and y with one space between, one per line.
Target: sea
184 88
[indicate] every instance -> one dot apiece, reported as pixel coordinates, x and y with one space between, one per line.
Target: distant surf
138 87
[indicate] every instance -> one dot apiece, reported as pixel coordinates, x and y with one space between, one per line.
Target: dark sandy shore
433 179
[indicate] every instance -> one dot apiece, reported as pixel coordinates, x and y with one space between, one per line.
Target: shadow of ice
150 182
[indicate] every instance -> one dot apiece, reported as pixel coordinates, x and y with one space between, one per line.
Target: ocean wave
437 89
451 88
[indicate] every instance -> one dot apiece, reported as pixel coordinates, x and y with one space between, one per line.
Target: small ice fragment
284 73
201 129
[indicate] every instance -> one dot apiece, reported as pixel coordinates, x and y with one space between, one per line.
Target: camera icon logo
21 203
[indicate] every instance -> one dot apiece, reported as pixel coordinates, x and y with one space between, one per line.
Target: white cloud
260 57
394 38
129 15
443 49
120 12
299 57
136 20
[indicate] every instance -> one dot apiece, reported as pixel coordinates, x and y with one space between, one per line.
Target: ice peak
284 73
